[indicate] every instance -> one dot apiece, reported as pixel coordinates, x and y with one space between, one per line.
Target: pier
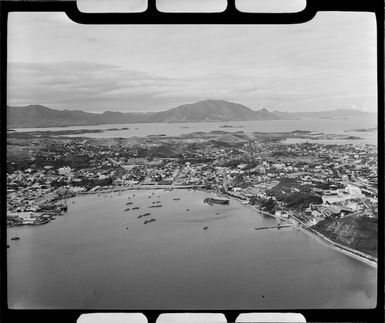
274 227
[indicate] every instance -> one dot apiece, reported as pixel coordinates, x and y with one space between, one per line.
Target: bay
98 256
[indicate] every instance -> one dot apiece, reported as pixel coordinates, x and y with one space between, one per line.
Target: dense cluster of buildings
336 180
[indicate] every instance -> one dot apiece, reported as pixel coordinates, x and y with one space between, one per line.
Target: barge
210 200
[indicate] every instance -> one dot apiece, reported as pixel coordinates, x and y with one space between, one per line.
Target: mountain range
38 116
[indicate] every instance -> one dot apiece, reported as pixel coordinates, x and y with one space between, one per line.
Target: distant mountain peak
208 110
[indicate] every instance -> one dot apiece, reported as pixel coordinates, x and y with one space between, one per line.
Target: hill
355 232
38 116
212 110
35 116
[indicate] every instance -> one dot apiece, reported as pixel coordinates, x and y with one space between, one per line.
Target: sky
326 63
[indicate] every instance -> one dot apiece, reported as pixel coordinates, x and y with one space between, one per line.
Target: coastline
297 223
356 254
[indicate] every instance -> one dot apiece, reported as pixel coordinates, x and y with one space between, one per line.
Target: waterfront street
324 186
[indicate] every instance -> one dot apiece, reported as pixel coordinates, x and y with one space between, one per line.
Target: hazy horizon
187 103
325 64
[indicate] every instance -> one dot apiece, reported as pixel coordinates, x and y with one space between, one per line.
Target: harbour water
336 126
99 256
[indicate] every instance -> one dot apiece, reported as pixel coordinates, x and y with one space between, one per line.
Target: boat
217 213
128 209
128 203
159 205
211 200
139 216
205 228
176 199
7 245
135 208
149 221
187 209
146 214
15 238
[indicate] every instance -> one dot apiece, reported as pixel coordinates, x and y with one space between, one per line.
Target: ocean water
98 256
336 126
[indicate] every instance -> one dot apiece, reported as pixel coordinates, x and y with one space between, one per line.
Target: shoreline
297 223
356 254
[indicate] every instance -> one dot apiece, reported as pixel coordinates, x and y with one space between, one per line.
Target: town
331 189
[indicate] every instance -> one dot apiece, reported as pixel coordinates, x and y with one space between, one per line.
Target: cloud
82 85
329 62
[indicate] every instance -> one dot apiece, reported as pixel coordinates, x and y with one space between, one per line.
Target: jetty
274 227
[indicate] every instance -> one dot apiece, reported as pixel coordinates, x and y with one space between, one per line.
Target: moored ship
211 200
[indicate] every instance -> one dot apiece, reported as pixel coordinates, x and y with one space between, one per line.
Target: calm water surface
337 126
98 256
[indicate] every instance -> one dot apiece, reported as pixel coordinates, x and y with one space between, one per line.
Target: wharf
274 227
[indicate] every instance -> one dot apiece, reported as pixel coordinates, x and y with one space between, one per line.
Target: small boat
135 208
176 199
128 203
73 202
128 209
139 216
217 213
149 221
187 209
7 245
205 228
149 197
146 214
15 238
